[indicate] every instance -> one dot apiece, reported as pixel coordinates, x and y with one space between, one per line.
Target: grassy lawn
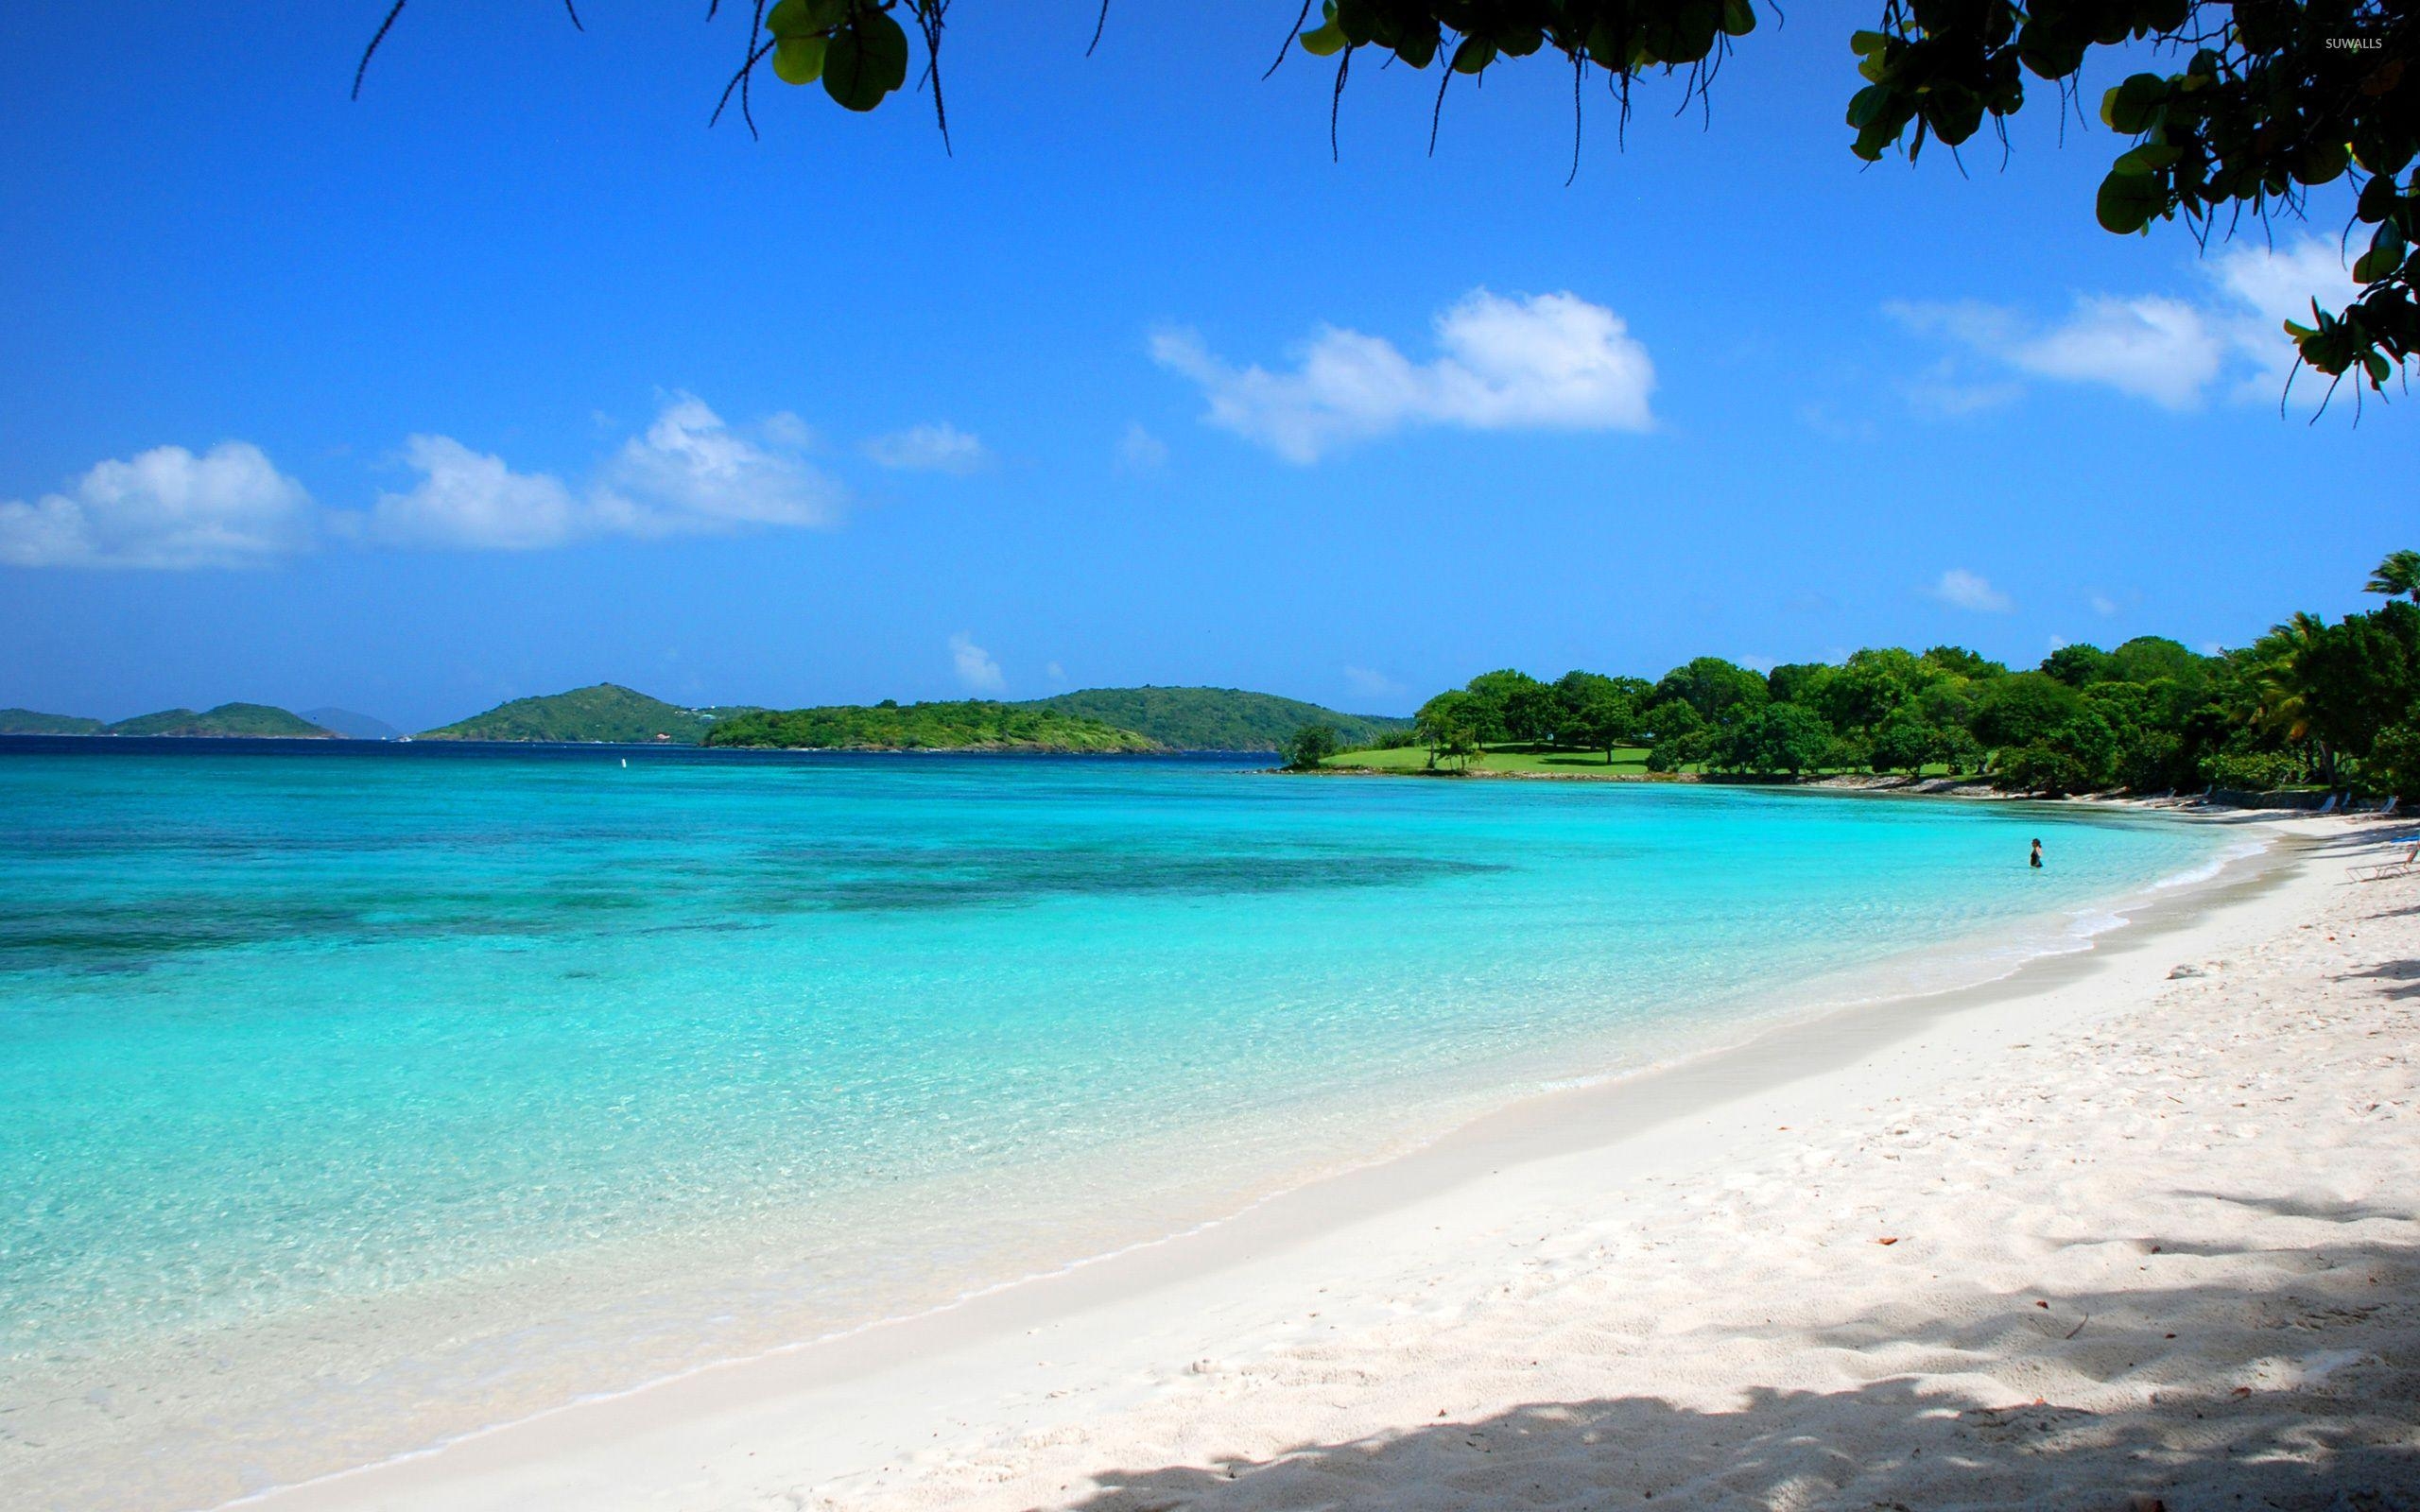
1626 763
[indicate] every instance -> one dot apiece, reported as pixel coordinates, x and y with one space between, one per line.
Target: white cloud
938 448
1139 451
787 429
2173 352
691 473
1961 589
2268 288
163 508
2156 349
1056 672
687 473
469 500
1758 663
1369 684
1547 362
1944 390
975 666
2102 604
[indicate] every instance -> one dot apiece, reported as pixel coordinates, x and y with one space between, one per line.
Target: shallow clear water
419 1087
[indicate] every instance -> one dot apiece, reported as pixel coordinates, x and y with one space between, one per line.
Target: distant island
1216 719
969 725
34 722
252 721
607 711
352 726
1093 719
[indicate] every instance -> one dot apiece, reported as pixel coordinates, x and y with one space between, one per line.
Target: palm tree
2398 576
2280 675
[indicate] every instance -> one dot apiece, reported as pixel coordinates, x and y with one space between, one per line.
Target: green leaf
1868 43
1520 41
1882 131
2322 162
1738 18
2126 201
866 60
2379 368
2299 332
2050 52
1418 48
1472 54
1867 105
798 60
2129 107
2378 198
1689 37
1325 40
1954 113
2375 263
2148 158
802 17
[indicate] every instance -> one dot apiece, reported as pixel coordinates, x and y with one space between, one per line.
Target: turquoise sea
353 1095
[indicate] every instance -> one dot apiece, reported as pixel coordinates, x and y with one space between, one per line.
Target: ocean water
354 1096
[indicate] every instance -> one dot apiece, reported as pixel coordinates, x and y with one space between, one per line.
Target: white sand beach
2139 1224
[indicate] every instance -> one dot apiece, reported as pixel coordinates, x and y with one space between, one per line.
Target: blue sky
512 377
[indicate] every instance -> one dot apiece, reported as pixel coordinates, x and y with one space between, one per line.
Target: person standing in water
2037 856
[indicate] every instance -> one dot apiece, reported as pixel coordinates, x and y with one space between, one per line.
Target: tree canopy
2258 102
961 724
2311 703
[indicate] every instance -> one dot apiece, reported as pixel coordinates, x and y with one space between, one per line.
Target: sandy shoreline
1615 1291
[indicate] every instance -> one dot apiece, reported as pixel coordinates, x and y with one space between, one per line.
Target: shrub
2151 761
2022 708
2394 764
2254 771
1673 753
1906 741
1310 746
2041 769
2091 743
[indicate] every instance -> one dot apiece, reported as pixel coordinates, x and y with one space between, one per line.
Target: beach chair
2405 866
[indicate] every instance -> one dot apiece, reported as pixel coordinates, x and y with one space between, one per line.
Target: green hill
352 726
607 711
974 725
32 722
1214 718
228 720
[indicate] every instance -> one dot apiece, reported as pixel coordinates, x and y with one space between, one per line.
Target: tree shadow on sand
2301 1391
2404 974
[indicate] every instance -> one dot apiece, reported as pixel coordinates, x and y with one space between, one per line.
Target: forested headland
2310 704
964 725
